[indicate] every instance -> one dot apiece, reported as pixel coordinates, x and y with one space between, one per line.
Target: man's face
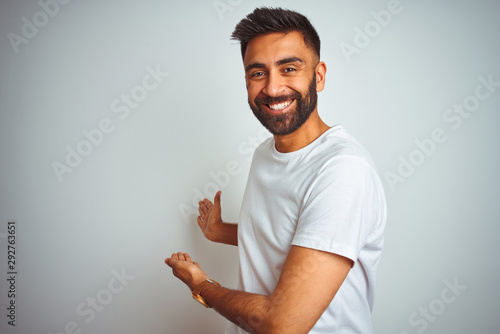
281 81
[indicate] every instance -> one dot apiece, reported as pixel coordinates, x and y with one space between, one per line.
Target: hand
210 219
185 269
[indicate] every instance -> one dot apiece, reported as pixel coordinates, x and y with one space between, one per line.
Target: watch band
197 290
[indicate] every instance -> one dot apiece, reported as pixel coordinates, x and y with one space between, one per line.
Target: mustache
277 99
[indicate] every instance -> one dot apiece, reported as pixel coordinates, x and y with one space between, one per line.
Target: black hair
267 20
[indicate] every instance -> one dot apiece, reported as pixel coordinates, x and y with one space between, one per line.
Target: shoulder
266 145
264 150
339 150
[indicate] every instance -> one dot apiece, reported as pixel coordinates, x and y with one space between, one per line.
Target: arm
211 223
308 283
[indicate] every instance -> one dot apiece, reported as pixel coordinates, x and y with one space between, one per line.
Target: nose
275 85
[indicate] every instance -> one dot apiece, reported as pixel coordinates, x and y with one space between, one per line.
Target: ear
320 76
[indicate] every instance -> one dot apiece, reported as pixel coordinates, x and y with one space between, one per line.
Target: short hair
267 20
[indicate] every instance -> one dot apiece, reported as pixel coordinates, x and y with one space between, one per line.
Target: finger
181 257
170 262
201 223
208 204
202 206
217 198
188 258
202 211
174 256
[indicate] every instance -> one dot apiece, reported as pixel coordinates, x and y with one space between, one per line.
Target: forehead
274 46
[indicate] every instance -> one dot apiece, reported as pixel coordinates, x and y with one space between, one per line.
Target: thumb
217 198
170 262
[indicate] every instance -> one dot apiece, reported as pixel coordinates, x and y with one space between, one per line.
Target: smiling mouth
279 106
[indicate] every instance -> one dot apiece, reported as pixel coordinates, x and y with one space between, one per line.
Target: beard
288 122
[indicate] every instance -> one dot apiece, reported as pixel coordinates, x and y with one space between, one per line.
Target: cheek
253 90
299 84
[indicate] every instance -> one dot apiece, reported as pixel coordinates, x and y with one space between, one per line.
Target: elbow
277 318
268 327
277 324
267 322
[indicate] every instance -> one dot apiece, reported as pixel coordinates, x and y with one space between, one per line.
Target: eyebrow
278 63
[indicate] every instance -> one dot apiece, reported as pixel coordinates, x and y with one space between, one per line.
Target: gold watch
197 290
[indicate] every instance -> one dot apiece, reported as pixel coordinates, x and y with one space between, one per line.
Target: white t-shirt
325 196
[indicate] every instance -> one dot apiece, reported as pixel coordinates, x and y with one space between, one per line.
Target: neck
303 136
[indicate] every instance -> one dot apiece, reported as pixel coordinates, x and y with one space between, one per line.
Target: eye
289 69
257 74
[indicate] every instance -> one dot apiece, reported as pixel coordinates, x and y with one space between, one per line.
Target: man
310 232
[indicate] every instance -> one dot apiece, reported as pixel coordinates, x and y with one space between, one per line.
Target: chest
272 204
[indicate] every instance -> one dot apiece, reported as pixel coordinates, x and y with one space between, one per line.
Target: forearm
252 312
227 233
308 283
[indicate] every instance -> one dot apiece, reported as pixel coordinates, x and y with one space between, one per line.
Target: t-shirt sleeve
339 210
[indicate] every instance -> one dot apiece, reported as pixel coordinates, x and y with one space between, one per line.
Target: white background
121 208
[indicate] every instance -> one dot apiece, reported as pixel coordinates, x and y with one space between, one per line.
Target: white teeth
280 106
